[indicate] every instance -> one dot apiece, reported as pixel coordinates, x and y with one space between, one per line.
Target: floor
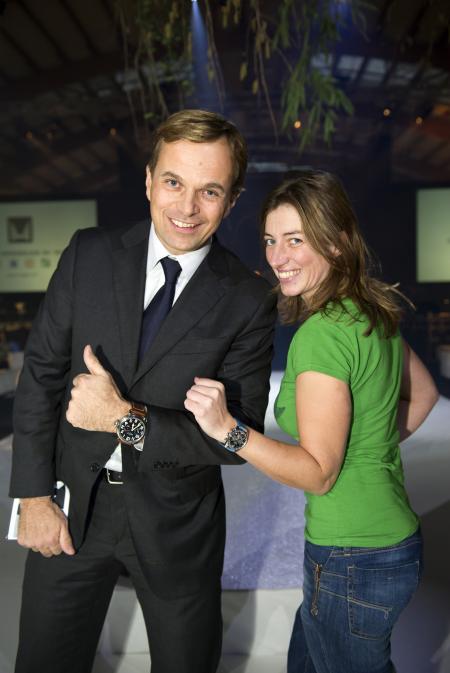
138 663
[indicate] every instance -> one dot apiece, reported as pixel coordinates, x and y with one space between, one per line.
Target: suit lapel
201 294
129 272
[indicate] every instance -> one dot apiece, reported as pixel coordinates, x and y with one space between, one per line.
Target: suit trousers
65 600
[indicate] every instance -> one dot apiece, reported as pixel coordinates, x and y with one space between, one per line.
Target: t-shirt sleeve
322 345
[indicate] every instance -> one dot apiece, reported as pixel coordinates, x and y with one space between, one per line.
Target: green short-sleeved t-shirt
368 505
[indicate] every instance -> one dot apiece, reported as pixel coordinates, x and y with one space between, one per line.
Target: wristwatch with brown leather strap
132 427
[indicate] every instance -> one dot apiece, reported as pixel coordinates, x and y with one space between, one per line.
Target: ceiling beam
357 45
27 161
42 152
57 78
76 21
42 29
18 48
92 182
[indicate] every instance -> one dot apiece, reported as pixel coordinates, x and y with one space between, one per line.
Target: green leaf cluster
297 36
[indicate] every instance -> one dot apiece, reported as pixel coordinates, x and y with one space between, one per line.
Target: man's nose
188 203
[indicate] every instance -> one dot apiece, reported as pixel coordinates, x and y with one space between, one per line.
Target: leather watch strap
138 409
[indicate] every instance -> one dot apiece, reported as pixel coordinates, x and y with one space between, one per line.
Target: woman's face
298 267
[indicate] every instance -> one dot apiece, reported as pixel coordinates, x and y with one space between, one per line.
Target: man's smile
183 225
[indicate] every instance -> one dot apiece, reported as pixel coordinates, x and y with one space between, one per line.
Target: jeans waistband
335 551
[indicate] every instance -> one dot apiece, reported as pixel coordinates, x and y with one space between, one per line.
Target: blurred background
358 87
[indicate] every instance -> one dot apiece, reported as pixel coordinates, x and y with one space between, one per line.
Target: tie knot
171 269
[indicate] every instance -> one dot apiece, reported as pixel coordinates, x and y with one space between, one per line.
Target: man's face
190 192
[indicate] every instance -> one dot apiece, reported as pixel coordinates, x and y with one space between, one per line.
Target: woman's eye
295 241
268 242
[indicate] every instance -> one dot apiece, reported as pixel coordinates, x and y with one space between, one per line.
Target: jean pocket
317 554
377 596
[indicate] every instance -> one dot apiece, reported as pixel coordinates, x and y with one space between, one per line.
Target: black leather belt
112 477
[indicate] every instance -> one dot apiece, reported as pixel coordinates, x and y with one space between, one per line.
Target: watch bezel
236 438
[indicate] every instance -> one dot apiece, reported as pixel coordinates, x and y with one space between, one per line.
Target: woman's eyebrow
286 233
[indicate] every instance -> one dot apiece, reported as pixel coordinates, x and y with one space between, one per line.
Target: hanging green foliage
157 46
301 36
298 37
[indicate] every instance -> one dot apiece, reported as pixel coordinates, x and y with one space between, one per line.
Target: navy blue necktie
160 305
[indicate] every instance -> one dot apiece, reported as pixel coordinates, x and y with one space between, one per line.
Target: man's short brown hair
202 126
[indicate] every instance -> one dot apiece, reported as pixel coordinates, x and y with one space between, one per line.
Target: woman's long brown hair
329 224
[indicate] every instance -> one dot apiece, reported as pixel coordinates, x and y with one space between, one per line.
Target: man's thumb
92 362
66 541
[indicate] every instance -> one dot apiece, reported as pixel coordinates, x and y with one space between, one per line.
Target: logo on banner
20 229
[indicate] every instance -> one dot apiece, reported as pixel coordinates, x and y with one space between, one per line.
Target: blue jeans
352 597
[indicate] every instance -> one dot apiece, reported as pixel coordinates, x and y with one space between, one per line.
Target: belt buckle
110 480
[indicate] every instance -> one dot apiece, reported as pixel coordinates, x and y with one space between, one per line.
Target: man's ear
232 203
148 182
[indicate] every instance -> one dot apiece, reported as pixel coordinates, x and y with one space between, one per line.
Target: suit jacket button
95 467
157 464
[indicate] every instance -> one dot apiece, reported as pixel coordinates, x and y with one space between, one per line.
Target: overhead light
297 124
419 120
387 112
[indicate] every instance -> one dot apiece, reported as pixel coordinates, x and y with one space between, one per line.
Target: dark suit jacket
220 327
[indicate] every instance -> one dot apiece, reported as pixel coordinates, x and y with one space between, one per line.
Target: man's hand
43 527
96 402
207 401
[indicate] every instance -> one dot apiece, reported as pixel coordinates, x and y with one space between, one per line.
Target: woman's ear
336 251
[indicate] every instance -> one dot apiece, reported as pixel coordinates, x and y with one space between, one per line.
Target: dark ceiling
64 90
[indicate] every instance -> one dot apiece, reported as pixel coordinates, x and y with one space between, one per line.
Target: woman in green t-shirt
352 390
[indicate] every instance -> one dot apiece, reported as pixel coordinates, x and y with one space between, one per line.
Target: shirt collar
189 261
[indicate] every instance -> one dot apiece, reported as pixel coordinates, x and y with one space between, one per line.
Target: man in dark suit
100 407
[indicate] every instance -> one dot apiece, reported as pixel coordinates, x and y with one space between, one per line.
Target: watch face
237 438
131 429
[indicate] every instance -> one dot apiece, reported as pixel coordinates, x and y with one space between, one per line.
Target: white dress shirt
154 280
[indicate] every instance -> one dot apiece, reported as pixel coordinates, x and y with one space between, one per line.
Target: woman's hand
206 400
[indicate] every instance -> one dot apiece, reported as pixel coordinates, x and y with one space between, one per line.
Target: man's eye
172 182
210 193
